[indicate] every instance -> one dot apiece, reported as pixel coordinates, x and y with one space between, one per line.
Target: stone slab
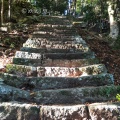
104 111
72 71
81 55
71 112
42 83
77 95
21 70
8 93
55 62
19 111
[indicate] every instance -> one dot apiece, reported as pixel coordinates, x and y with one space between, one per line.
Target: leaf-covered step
22 70
77 95
43 83
82 55
56 62
71 71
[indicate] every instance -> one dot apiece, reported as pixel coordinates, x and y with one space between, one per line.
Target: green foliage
90 15
118 97
17 8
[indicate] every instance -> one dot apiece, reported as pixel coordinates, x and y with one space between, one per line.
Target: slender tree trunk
9 10
114 29
2 6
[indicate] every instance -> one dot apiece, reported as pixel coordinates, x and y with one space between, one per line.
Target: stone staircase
55 76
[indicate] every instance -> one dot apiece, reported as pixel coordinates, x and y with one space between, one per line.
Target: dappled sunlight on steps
54 75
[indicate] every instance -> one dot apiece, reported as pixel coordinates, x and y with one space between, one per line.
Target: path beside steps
55 76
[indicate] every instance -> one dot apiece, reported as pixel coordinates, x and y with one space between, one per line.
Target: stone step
57 33
72 40
53 50
50 29
72 71
95 111
37 43
15 110
19 111
54 31
60 40
56 62
76 95
52 36
8 93
82 55
44 83
69 26
22 70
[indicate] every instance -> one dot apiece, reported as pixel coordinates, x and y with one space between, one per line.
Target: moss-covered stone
21 70
78 95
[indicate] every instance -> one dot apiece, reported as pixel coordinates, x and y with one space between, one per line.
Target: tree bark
9 10
2 6
114 29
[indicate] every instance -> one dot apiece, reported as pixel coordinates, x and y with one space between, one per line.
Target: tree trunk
2 5
9 10
114 29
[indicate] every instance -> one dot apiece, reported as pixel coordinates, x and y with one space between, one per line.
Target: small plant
118 97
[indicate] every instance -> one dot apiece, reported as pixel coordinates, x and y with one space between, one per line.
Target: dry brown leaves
106 55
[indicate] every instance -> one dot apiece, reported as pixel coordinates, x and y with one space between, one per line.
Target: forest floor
106 55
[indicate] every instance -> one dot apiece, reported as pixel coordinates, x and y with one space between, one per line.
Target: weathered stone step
22 70
77 95
43 83
56 62
72 71
8 93
55 32
52 36
15 110
82 55
53 50
73 40
19 111
55 26
36 43
95 111
73 30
